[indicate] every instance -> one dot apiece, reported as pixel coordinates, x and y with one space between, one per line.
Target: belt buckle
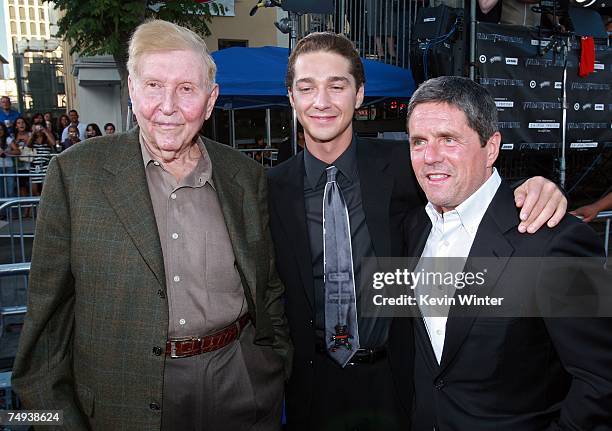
173 342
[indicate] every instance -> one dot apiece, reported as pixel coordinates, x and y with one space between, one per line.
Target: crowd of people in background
27 145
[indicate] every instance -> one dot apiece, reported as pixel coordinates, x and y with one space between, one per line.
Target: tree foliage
97 27
104 26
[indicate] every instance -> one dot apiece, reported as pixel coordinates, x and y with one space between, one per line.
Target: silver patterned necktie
341 331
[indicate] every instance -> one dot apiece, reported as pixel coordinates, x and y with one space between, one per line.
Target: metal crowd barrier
17 227
18 179
14 310
266 156
607 217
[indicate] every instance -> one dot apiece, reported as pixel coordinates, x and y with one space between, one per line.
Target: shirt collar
346 164
199 176
472 210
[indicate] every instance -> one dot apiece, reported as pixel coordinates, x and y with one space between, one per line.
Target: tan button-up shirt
203 285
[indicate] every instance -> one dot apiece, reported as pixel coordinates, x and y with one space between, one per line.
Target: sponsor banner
528 95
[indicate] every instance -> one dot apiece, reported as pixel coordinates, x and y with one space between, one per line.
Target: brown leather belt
191 346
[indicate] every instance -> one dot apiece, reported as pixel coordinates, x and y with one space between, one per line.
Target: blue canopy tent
254 78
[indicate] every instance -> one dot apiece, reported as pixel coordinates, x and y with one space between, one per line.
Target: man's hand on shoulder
541 201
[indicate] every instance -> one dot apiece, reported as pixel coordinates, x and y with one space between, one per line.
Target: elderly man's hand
540 201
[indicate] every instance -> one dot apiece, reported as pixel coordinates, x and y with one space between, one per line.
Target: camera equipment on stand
437 43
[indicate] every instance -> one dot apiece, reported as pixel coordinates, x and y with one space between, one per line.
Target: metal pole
232 129
292 43
268 131
472 40
342 29
562 166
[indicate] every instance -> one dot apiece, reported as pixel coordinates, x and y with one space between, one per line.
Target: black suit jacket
389 191
508 373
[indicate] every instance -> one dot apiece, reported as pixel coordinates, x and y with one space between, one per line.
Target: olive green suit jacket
97 307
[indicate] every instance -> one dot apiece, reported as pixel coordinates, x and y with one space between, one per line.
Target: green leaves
97 27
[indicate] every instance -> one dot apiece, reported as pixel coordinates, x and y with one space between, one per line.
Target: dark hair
327 42
36 134
27 128
59 122
4 136
110 124
73 110
95 127
35 116
471 98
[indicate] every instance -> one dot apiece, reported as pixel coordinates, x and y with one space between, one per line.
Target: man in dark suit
507 368
154 301
372 390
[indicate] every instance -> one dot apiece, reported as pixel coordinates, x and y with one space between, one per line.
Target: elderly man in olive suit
154 301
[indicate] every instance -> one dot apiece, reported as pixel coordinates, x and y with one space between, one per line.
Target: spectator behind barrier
109 128
92 130
8 115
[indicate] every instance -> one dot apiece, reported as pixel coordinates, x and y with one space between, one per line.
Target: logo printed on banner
431 19
504 103
502 82
483 58
588 86
534 42
532 84
599 106
512 61
509 124
583 145
558 85
585 126
544 125
576 106
599 66
587 106
499 38
496 59
544 84
541 105
507 146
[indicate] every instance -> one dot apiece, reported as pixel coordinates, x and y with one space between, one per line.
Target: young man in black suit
498 370
373 391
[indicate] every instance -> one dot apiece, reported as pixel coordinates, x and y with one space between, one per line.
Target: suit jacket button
157 351
440 384
154 406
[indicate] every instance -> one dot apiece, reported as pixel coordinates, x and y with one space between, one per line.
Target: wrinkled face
109 130
447 158
20 125
74 117
6 103
325 96
171 99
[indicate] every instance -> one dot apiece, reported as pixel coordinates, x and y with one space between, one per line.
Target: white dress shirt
452 234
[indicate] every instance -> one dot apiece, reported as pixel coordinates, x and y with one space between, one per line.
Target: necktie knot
331 171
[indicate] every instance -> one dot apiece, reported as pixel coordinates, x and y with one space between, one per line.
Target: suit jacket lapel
489 242
292 213
128 194
376 189
231 199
